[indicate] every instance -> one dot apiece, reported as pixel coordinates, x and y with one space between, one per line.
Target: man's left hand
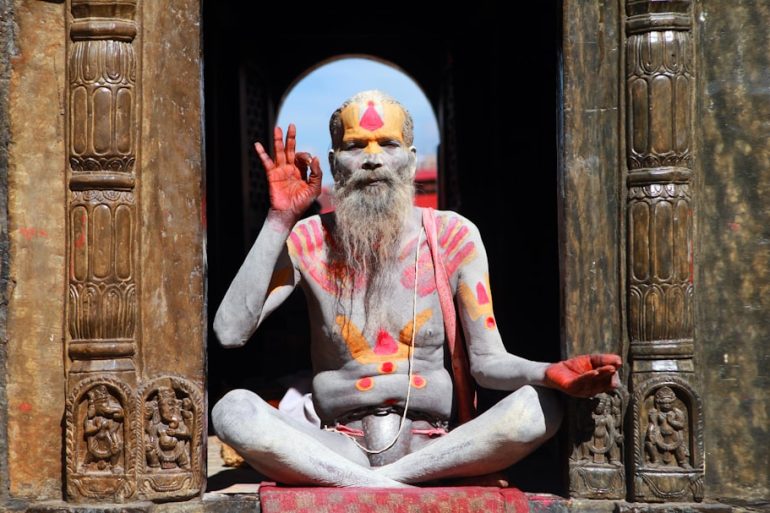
586 375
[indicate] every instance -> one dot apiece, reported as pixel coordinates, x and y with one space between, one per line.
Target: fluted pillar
129 436
667 434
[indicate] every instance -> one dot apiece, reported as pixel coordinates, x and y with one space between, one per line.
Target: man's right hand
291 190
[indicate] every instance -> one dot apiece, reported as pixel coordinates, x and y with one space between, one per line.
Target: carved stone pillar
128 436
102 314
667 436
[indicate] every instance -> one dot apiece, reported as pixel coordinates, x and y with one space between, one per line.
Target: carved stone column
128 436
102 312
667 435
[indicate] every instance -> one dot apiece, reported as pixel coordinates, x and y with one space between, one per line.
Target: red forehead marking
371 120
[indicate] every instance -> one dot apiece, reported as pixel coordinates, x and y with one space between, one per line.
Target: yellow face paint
370 123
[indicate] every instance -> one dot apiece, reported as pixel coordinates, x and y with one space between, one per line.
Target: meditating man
382 279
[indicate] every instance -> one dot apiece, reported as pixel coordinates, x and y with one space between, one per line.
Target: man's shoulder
451 220
308 235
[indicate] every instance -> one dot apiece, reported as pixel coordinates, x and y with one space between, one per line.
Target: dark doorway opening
492 79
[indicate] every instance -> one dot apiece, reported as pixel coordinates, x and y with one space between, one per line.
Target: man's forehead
372 118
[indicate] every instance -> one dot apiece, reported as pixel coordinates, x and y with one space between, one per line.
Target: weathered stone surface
590 179
171 191
36 201
733 244
7 50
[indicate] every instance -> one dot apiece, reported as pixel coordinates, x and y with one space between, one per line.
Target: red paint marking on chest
426 283
385 343
387 367
446 232
371 120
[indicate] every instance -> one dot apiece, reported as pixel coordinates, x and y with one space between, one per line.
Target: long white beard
371 220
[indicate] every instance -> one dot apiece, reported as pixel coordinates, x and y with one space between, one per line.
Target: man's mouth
372 182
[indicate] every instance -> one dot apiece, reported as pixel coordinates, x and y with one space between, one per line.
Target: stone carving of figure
665 443
167 430
103 431
377 305
604 444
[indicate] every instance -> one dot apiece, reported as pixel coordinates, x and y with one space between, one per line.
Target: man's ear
412 161
332 166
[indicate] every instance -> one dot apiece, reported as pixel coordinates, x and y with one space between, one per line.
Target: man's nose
371 164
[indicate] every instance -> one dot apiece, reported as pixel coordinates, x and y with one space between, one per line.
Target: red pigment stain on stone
25 407
371 120
491 322
481 293
418 381
387 367
364 384
385 344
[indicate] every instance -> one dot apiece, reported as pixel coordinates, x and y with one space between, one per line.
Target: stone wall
733 244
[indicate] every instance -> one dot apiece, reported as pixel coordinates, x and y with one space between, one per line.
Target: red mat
467 499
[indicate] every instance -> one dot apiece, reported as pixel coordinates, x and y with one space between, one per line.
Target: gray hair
335 123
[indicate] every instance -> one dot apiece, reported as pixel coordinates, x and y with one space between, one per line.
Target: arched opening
316 93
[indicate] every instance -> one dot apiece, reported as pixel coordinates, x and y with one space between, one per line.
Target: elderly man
380 276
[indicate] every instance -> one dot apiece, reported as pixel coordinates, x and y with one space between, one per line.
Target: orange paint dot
418 382
364 384
387 367
491 322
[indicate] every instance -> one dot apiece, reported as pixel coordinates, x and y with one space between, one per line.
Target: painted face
372 147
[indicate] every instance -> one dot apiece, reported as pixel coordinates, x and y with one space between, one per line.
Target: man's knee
533 414
236 410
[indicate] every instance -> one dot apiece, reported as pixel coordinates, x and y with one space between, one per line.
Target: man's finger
600 360
267 162
302 161
316 176
291 142
280 156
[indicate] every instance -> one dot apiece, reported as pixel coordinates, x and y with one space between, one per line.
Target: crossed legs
295 453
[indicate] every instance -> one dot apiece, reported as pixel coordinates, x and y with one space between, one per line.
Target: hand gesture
586 375
291 190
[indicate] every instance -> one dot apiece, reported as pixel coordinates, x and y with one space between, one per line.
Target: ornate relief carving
102 302
100 419
668 441
171 438
659 87
660 262
101 251
668 431
596 462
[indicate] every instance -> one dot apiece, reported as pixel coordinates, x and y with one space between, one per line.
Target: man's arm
268 275
494 367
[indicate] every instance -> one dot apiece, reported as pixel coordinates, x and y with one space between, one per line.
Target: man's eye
390 143
351 145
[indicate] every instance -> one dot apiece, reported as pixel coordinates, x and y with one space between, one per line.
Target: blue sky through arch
312 100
